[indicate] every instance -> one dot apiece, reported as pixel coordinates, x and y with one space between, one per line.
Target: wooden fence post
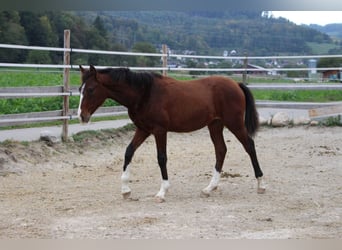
164 59
66 84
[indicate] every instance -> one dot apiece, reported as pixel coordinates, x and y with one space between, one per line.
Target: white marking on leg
261 185
125 190
215 179
165 185
79 111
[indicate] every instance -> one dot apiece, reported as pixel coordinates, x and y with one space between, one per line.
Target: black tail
251 115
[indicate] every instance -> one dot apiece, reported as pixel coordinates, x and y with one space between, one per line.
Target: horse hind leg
249 146
216 135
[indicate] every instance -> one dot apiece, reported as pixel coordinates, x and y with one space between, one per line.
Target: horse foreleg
162 160
139 137
216 135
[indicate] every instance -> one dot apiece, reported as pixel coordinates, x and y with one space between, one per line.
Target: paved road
32 134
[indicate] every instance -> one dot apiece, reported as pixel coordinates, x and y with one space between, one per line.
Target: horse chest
141 120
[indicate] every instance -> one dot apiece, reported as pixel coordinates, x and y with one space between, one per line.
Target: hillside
214 32
334 30
202 33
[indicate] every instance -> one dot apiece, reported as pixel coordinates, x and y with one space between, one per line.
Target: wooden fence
65 91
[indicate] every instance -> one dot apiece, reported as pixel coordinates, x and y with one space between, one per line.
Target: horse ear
92 69
81 68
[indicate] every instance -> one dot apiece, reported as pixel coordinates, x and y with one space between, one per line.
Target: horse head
92 93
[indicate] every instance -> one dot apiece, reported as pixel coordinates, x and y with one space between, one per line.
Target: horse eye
90 91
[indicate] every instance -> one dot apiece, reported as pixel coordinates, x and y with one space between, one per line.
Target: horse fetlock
261 186
160 196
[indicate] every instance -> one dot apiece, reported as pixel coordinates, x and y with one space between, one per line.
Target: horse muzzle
84 118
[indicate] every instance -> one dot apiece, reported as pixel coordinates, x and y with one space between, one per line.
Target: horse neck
121 93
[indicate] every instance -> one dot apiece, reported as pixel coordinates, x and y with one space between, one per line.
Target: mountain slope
334 30
213 32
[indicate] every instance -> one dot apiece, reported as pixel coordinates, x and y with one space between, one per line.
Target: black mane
140 81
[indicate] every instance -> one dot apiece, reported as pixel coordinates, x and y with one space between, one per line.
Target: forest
202 33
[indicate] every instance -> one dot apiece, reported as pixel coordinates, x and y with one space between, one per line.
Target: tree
329 62
39 57
35 33
11 32
145 61
99 25
96 38
51 39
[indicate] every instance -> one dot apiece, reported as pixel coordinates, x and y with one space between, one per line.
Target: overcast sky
311 17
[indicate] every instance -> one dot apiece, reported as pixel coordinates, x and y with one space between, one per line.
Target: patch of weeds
81 136
8 143
126 128
25 143
332 121
102 135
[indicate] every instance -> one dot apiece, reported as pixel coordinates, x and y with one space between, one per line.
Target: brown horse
157 104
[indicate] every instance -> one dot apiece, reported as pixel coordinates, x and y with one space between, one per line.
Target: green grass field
36 77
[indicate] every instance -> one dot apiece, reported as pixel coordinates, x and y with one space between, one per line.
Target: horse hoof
159 199
126 195
204 194
261 190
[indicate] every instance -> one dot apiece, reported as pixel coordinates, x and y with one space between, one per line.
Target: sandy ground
73 190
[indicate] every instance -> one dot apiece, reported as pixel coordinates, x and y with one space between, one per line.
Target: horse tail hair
251 114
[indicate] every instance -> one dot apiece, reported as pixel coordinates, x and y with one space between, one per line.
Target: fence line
65 92
108 52
33 117
295 87
60 66
22 92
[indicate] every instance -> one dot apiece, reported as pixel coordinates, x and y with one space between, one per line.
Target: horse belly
187 118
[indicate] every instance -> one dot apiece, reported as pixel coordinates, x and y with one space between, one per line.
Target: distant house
332 75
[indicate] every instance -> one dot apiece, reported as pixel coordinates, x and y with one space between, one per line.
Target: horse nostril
84 118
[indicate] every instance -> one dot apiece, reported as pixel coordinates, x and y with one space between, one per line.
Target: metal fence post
66 84
245 65
164 59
